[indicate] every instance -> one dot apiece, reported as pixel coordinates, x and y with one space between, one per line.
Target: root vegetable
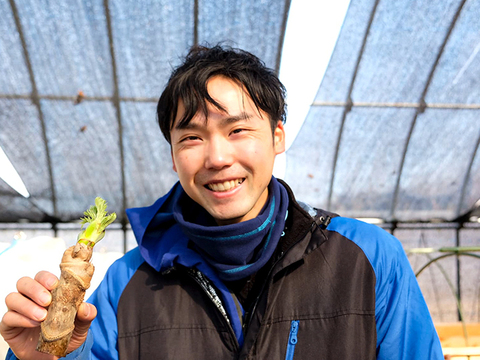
76 274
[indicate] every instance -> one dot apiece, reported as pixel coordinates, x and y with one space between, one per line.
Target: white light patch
312 31
375 221
477 204
10 175
310 38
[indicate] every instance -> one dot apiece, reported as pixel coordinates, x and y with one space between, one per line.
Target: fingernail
45 298
86 310
40 313
51 282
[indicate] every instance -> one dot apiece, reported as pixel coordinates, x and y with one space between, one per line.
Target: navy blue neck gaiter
239 250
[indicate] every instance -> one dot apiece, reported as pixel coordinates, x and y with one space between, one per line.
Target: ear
173 160
279 138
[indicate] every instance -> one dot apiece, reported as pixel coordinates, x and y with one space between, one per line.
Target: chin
228 218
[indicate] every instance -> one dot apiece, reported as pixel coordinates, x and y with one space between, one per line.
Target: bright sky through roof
10 175
312 31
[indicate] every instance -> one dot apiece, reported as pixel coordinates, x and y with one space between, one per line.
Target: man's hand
20 326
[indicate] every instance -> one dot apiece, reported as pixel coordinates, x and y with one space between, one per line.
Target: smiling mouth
224 186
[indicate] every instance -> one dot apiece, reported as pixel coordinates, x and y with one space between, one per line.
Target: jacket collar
298 240
163 245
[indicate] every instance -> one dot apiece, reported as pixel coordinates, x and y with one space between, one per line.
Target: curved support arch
443 257
450 285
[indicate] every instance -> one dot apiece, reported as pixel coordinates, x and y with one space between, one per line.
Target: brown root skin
76 274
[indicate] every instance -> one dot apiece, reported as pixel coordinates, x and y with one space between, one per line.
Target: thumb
85 315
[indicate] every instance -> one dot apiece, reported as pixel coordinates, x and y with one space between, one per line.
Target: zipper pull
292 340
293 332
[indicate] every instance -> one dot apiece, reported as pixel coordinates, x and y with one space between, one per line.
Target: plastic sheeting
117 55
393 131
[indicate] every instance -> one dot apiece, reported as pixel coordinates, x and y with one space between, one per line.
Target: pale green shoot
98 220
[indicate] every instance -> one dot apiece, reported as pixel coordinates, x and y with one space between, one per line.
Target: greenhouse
383 125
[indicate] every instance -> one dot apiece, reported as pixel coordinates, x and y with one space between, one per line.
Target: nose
219 153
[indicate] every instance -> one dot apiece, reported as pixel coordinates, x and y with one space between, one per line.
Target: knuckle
46 278
23 280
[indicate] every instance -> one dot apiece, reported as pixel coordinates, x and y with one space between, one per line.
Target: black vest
317 302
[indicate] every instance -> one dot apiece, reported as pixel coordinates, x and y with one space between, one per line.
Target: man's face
225 161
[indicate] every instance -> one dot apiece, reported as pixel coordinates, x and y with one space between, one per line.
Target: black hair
189 83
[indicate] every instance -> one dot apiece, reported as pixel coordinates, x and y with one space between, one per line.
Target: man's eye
190 138
237 131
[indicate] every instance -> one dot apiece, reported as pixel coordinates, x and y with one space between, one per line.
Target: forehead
234 103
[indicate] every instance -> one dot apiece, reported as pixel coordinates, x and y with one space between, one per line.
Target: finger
25 307
12 321
47 279
34 290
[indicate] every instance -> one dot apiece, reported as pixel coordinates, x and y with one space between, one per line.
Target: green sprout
98 220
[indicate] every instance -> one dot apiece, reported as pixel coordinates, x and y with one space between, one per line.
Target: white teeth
225 186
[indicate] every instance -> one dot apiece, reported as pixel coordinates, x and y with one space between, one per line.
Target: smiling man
224 156
229 265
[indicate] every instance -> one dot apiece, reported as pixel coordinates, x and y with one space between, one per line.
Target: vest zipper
248 316
292 340
208 288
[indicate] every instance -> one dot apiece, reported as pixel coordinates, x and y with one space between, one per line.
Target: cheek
181 164
260 160
188 164
261 153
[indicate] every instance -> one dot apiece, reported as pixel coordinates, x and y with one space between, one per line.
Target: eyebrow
232 119
225 121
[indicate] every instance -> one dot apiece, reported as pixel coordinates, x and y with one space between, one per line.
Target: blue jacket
338 288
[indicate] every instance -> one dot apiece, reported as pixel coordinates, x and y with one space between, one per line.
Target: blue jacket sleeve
405 329
103 330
